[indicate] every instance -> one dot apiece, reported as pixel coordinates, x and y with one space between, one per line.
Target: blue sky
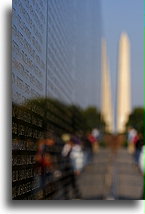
125 15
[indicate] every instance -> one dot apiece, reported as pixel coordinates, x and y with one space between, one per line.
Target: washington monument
123 84
123 87
106 108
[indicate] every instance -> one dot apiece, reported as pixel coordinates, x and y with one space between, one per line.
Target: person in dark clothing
87 149
138 147
45 158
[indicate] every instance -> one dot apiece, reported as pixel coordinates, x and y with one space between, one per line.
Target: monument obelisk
124 85
106 108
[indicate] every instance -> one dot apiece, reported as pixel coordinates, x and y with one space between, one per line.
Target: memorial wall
60 44
28 49
55 65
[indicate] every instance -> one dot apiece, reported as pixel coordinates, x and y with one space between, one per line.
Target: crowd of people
76 152
136 147
80 150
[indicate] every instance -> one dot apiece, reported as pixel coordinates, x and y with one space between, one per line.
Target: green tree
92 119
136 119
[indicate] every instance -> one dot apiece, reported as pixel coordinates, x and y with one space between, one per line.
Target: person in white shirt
142 160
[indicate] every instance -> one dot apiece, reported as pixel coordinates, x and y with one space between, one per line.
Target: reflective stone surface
55 56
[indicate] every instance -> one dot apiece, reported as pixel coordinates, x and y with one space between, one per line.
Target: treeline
59 117
136 120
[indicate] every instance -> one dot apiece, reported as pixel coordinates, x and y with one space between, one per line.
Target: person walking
71 168
45 158
138 147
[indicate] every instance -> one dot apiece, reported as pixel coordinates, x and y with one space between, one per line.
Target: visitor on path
76 155
73 150
45 158
142 160
71 166
96 134
138 143
132 133
87 150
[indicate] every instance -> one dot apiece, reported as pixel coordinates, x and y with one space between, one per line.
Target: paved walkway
111 176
